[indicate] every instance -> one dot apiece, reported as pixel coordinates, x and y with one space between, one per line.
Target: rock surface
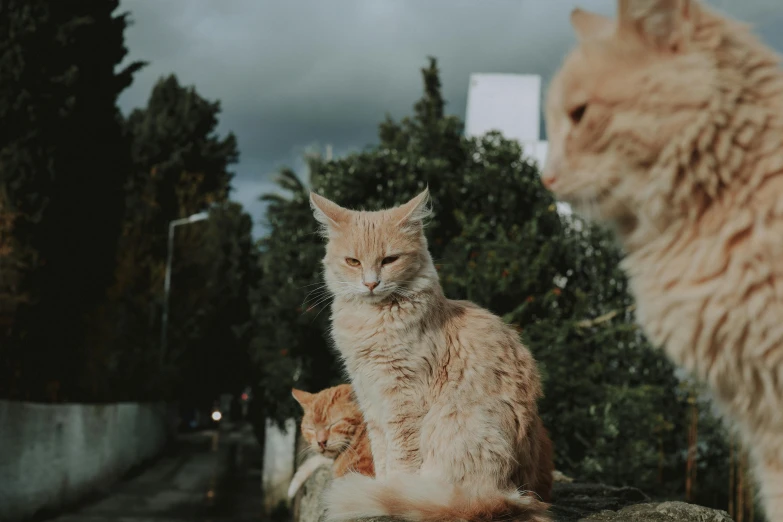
572 502
663 512
307 504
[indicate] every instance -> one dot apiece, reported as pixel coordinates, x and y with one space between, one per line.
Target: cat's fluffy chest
388 351
391 335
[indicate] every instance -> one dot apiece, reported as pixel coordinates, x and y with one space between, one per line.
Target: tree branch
587 323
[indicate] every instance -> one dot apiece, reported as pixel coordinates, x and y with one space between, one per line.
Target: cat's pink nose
548 179
322 444
373 285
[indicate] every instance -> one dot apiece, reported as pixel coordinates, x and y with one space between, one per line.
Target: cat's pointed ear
413 213
665 25
302 397
343 390
589 25
328 213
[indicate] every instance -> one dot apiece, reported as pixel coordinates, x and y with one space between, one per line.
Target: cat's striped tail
418 499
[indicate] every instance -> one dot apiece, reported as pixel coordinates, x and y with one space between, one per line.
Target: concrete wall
279 462
52 455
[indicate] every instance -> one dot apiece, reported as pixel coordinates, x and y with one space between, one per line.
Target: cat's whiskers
337 294
320 300
399 289
337 447
404 292
311 284
324 286
307 450
346 446
320 291
523 492
323 297
577 186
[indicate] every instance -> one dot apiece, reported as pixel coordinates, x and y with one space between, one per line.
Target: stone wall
571 503
52 455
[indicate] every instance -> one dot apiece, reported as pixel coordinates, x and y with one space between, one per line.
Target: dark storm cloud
297 72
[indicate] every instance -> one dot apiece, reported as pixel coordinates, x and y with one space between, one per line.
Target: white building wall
511 104
279 462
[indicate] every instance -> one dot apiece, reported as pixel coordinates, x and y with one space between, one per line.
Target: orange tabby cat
668 124
448 391
334 428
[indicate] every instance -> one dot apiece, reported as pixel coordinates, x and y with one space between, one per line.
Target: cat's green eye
389 260
352 262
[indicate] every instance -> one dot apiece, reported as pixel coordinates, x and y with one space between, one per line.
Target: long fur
446 388
304 471
421 499
667 124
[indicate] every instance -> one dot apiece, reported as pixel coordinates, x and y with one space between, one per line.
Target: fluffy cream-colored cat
668 124
446 388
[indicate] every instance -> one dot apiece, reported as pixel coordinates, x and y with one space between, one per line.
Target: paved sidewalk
211 476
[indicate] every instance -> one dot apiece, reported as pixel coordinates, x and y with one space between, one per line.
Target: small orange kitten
448 392
334 428
668 124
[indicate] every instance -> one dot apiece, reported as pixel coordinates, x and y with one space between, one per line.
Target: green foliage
612 402
290 299
210 306
63 162
85 204
180 168
176 147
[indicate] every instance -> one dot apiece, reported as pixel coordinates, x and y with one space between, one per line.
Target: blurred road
209 476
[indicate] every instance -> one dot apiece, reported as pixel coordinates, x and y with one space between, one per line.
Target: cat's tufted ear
666 25
412 214
329 214
343 390
589 25
302 397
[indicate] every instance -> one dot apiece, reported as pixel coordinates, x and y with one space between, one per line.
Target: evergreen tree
612 402
175 144
289 326
211 308
63 163
181 166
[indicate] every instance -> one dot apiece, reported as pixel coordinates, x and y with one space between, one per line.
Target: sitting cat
333 427
667 123
336 408
448 391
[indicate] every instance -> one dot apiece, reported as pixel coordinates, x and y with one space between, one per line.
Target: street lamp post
167 282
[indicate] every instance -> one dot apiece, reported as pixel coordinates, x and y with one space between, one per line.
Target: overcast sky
291 74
